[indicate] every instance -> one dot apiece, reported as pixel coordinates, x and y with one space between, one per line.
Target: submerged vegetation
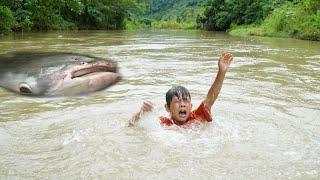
281 18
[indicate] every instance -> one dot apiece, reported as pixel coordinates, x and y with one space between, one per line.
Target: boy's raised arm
224 63
147 106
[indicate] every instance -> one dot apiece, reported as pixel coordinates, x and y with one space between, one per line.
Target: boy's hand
147 106
224 61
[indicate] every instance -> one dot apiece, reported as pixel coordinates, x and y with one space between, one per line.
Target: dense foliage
26 15
300 20
283 18
179 10
221 14
170 14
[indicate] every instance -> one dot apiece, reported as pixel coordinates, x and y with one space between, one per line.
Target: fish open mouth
92 70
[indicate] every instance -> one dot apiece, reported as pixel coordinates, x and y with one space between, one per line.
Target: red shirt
200 114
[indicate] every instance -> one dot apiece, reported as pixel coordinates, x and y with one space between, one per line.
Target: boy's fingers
148 102
147 106
225 54
222 55
228 56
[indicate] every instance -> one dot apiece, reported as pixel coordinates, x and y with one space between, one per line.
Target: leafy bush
237 12
172 24
7 21
23 18
293 19
173 13
310 29
280 20
26 15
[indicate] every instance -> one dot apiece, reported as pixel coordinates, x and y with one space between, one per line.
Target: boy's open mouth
182 113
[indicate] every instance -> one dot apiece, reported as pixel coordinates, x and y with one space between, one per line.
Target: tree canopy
221 14
285 18
26 15
291 18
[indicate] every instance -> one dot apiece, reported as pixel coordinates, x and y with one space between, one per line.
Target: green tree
7 21
220 14
66 14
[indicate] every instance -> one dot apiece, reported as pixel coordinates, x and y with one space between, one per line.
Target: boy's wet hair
179 91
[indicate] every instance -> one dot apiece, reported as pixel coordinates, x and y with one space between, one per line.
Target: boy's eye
186 99
176 101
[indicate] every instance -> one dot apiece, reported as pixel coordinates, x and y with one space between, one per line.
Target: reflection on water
266 120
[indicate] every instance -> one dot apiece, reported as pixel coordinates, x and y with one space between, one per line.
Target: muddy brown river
266 119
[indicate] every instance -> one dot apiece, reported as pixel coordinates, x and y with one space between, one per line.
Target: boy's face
179 109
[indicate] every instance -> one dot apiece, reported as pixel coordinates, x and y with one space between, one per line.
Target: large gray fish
55 74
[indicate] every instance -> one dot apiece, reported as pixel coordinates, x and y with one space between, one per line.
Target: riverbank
252 30
289 20
309 30
170 24
296 19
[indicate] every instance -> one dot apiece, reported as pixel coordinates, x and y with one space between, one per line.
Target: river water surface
266 119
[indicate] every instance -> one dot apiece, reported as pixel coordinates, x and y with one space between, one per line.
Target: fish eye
83 63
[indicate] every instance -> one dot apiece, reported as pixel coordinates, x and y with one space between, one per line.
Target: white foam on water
76 136
313 57
199 136
4 137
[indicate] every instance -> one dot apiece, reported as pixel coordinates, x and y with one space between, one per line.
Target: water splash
75 137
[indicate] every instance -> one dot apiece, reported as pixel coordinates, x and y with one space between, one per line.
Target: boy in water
179 100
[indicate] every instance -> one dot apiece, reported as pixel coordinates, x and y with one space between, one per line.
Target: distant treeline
172 14
283 18
27 15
